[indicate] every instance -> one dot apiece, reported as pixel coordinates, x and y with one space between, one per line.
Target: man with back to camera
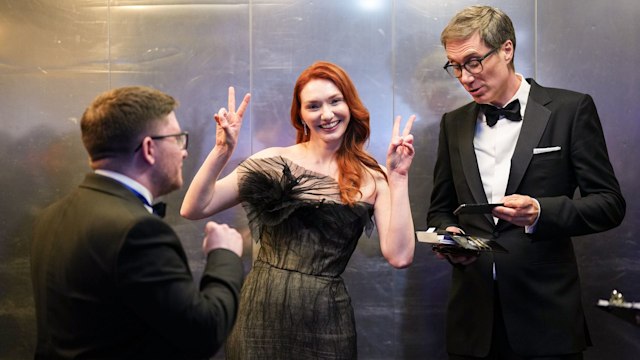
111 279
529 151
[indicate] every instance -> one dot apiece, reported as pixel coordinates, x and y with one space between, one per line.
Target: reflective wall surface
55 56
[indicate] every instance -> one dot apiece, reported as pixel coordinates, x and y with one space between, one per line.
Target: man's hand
520 210
456 259
221 236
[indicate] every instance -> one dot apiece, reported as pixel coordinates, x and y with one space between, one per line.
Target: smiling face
324 110
497 82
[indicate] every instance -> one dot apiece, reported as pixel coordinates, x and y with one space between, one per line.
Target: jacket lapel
468 155
534 123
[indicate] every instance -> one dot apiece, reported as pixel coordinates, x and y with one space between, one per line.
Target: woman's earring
304 125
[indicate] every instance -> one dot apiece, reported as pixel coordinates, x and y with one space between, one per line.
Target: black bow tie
159 209
492 113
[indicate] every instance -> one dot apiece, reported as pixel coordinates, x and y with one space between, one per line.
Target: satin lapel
468 155
534 123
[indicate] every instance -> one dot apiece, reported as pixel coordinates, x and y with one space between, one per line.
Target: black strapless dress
294 304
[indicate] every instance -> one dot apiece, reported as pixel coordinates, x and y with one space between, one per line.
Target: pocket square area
546 149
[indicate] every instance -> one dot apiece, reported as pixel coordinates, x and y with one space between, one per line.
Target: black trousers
500 347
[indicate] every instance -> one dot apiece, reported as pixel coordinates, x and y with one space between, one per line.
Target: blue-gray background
57 55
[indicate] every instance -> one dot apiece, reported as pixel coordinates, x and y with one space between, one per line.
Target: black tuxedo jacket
561 148
112 281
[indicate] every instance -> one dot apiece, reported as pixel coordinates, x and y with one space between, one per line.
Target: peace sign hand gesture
229 121
401 152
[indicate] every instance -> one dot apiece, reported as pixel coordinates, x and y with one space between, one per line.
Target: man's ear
507 49
148 150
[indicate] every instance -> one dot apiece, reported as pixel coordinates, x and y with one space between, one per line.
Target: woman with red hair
308 205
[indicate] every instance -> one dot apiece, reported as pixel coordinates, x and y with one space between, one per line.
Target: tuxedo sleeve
155 283
600 205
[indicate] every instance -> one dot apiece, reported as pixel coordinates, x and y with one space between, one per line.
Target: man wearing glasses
110 277
528 148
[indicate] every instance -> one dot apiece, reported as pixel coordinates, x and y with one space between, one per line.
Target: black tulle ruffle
272 189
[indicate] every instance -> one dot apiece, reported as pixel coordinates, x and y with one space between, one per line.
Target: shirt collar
136 186
522 94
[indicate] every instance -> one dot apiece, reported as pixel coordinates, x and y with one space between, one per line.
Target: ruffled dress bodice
297 217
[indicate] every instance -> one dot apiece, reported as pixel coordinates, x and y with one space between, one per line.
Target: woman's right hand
229 121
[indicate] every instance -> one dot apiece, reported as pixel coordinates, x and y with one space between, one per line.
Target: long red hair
351 157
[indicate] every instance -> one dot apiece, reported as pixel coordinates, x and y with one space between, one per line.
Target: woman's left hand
401 152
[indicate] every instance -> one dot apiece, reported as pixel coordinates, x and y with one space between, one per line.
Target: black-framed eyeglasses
182 139
473 66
